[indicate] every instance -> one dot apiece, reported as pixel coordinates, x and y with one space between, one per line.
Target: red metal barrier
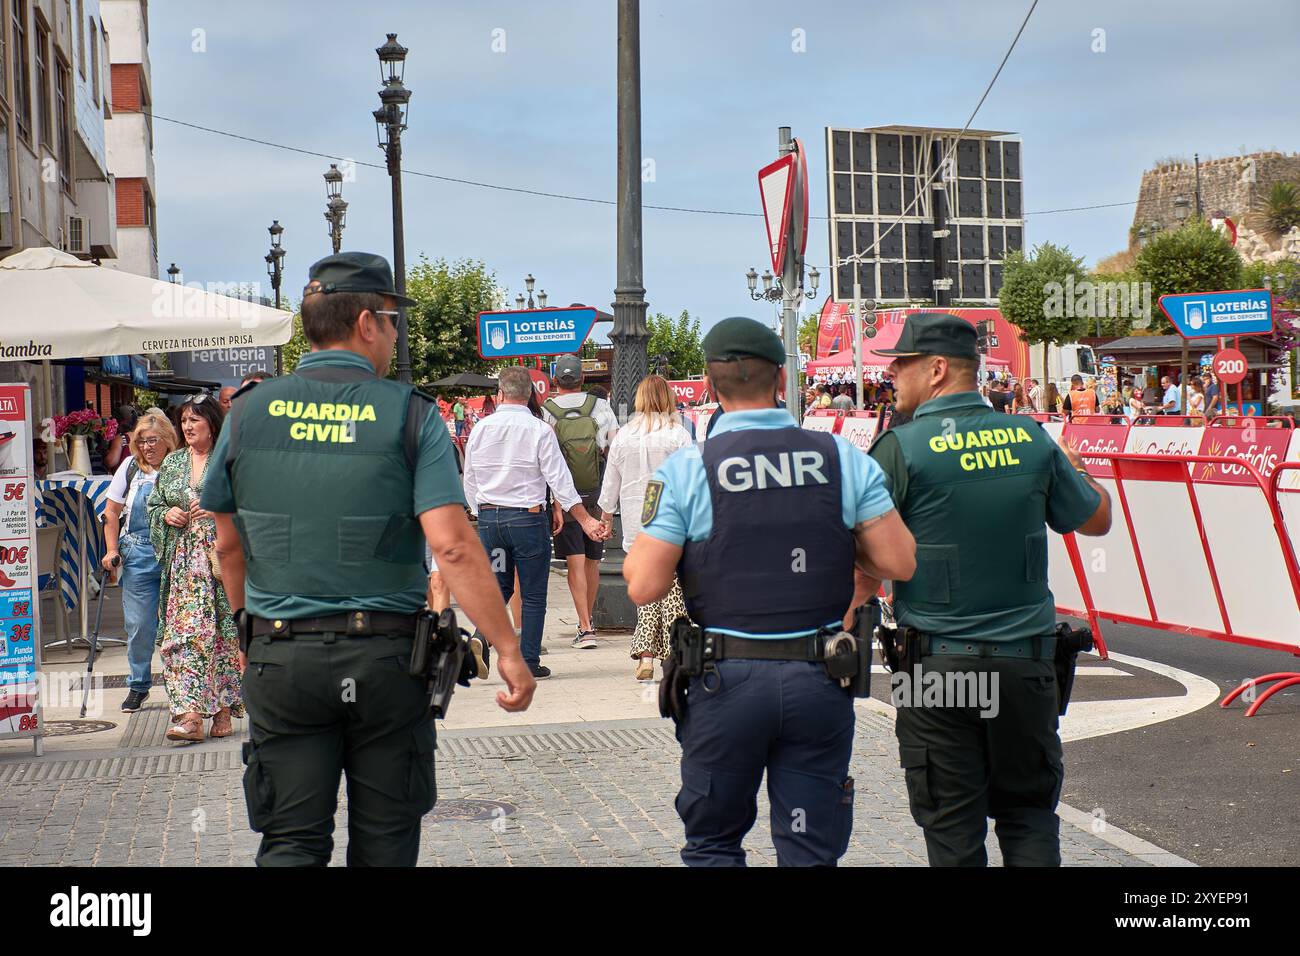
1175 469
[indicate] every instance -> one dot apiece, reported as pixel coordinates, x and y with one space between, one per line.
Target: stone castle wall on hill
1225 187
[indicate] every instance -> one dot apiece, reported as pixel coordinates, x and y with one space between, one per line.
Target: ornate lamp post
772 290
390 119
275 269
629 335
531 303
336 208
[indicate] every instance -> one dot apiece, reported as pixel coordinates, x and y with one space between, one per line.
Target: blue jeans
141 577
518 541
785 717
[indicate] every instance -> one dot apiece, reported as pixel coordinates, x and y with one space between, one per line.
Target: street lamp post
275 269
336 208
774 291
531 303
629 334
390 119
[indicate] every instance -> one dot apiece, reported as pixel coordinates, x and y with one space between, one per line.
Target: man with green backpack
585 425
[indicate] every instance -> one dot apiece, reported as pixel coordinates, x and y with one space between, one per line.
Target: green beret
739 337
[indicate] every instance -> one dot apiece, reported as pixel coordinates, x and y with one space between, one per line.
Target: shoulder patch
654 493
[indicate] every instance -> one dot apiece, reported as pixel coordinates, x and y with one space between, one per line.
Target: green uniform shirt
978 490
436 483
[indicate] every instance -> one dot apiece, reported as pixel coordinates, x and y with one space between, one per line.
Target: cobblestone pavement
562 794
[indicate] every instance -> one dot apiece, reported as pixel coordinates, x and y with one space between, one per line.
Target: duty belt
728 647
349 623
1026 648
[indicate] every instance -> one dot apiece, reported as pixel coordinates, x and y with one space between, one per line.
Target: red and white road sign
1230 366
800 210
541 383
776 184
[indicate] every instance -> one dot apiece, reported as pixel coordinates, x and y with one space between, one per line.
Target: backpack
577 430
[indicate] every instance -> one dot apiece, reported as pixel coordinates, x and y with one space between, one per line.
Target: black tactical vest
779 558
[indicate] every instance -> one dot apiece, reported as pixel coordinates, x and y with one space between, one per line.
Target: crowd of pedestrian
164 546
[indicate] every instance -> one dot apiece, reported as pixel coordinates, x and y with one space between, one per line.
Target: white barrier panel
1054 429
1061 578
1111 566
1291 476
1248 560
861 431
1241 550
1166 531
820 423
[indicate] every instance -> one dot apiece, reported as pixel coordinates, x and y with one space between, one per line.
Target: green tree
1033 294
444 320
809 329
678 341
1195 258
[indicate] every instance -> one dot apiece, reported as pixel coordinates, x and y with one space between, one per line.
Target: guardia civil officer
325 485
979 490
764 524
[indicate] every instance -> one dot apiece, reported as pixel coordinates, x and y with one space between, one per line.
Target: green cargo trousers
321 705
963 768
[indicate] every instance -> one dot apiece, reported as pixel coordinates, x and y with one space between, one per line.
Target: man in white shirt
581 554
510 461
1035 393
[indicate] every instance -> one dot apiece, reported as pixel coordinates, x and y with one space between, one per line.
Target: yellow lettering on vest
986 437
1001 436
327 411
938 445
1010 458
311 411
968 461
367 414
1022 435
955 442
988 458
293 409
298 431
276 408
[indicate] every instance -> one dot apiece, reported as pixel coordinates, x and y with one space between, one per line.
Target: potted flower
74 428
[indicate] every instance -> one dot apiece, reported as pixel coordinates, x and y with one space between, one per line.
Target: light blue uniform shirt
685 511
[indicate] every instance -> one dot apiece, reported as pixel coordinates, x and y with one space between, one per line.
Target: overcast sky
718 78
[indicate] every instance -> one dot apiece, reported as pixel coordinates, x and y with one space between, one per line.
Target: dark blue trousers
785 717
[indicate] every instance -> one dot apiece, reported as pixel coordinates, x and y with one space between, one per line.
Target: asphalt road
1211 786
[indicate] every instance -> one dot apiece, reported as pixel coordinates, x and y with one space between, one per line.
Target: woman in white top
152 440
652 435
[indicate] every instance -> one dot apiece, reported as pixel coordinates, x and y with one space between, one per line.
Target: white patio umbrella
56 306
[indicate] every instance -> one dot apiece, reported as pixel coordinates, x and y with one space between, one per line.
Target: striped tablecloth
75 503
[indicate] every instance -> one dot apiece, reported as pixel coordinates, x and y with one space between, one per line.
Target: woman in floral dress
196 628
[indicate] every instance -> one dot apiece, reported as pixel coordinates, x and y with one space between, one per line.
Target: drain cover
470 810
68 728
